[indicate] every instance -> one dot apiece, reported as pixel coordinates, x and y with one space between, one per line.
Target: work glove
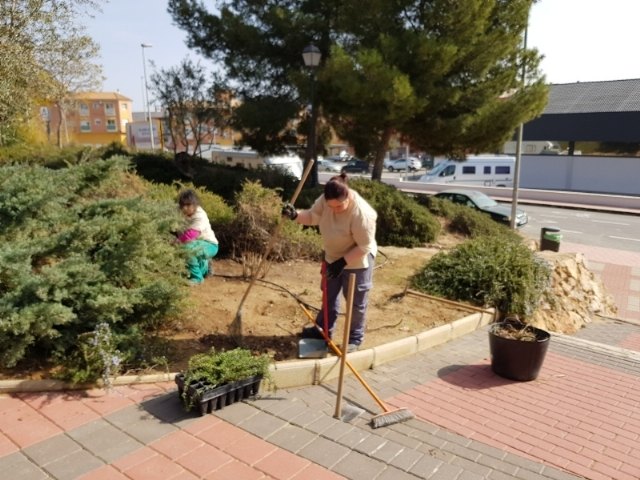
289 211
335 269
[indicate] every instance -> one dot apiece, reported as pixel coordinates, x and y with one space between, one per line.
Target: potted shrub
517 349
502 273
216 379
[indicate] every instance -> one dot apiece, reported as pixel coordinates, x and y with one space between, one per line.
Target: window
85 126
468 170
111 125
448 171
109 109
487 170
96 105
124 105
84 109
503 170
97 121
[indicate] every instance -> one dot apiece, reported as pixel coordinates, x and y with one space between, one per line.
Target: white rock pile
576 295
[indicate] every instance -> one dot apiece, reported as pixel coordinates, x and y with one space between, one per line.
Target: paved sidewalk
579 419
620 273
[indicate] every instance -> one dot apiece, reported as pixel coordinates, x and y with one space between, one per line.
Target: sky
581 40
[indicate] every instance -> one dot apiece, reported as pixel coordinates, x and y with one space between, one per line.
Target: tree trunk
381 151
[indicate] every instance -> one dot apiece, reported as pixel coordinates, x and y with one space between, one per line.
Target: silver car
411 164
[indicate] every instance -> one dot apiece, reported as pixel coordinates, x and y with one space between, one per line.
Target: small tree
70 70
195 105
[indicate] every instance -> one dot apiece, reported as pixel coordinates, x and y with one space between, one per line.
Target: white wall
618 175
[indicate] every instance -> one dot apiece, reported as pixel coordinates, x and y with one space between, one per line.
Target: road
597 228
602 229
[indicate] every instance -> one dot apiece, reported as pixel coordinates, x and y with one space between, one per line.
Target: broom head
391 417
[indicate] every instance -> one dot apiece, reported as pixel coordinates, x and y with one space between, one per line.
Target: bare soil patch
272 317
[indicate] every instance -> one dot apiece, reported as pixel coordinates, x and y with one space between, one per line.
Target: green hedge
488 271
78 250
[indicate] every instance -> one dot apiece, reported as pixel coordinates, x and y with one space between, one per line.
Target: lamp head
311 55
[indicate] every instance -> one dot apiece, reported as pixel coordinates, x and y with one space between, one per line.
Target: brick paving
580 419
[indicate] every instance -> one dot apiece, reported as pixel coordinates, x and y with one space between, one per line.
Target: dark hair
336 188
188 197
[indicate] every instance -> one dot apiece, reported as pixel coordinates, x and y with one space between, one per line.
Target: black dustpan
312 348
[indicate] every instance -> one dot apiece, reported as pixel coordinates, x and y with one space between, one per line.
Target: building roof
594 97
101 96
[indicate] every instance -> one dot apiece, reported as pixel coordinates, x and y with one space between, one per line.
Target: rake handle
337 351
345 340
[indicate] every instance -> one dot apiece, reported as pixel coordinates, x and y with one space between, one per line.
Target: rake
389 416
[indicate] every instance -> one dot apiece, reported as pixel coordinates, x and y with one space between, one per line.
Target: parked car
325 165
356 166
412 164
500 212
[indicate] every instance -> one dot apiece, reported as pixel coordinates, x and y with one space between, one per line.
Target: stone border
296 373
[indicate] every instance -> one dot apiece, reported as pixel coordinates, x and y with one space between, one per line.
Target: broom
389 416
235 329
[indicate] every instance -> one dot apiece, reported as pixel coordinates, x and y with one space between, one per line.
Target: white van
479 170
251 159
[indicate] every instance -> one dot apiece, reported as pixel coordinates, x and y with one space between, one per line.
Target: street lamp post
311 56
146 93
516 173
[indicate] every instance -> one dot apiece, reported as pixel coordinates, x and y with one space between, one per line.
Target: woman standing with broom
347 225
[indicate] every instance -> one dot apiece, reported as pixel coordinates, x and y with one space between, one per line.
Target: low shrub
257 217
73 256
488 271
222 180
467 221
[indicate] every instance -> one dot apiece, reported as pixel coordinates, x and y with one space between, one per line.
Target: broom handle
449 302
345 341
275 234
337 351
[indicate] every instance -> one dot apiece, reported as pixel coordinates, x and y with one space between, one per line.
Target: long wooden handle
345 341
303 179
337 351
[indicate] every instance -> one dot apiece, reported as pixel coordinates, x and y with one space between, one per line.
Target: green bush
222 180
257 218
219 213
468 221
73 256
47 155
402 222
496 272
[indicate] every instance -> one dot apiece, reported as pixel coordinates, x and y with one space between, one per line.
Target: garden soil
272 319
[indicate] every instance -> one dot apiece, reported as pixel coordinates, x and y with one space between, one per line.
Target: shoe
311 332
210 272
352 347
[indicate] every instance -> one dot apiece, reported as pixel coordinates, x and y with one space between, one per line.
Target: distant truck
478 170
249 159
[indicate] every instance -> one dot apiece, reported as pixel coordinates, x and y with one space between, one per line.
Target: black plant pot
208 398
517 359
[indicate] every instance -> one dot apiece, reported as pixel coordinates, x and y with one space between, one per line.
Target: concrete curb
294 373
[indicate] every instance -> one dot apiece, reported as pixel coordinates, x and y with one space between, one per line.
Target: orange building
94 119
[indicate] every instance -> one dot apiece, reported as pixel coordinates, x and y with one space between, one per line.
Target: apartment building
94 119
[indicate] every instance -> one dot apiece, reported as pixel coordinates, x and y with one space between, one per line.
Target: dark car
356 166
500 212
